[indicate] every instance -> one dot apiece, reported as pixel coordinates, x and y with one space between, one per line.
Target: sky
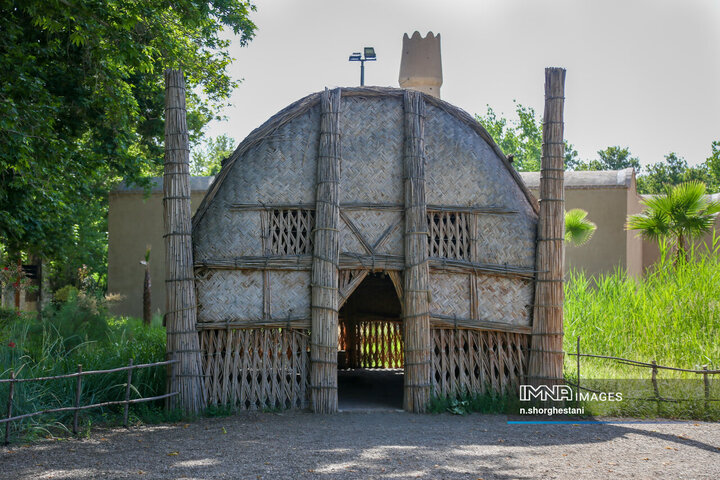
643 74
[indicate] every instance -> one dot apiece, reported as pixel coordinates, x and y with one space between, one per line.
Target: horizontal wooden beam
383 262
438 320
488 209
292 322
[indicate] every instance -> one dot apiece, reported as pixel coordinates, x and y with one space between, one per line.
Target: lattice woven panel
477 361
449 235
372 143
290 231
507 239
503 299
372 344
256 368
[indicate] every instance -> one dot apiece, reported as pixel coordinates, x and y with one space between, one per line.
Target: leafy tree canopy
207 158
82 99
521 138
612 158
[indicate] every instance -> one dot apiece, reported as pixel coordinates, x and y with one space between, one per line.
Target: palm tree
681 214
578 229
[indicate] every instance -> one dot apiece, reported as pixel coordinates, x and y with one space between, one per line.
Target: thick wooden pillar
325 298
183 343
546 356
416 278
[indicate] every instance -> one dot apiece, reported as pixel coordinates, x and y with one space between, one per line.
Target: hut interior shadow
370 350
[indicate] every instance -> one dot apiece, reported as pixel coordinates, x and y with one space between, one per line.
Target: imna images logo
559 393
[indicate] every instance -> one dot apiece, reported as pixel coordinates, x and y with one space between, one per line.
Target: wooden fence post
78 390
706 381
9 406
578 362
127 395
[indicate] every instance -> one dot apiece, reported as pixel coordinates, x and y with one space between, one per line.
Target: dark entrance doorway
371 354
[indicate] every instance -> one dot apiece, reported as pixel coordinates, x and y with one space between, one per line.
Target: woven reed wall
241 283
450 294
225 295
507 239
476 361
256 368
372 142
279 170
369 231
225 233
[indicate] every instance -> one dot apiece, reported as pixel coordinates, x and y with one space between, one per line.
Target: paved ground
385 445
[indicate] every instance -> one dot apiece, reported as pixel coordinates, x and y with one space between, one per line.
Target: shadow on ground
301 445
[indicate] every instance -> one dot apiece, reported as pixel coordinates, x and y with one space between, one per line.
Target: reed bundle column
326 256
546 355
183 343
415 298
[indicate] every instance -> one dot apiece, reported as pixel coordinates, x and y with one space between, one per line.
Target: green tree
521 138
208 157
612 158
682 213
673 171
81 103
578 229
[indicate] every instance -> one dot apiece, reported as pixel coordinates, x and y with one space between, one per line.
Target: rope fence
655 368
78 394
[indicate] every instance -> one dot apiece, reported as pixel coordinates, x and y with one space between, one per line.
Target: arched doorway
370 350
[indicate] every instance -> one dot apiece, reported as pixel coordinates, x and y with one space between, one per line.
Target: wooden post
578 362
127 394
546 351
180 303
326 256
78 391
416 286
706 381
9 406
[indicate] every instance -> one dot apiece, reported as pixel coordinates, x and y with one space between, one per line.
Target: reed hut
378 226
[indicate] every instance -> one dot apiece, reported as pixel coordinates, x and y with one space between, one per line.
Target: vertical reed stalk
181 317
325 298
416 287
546 355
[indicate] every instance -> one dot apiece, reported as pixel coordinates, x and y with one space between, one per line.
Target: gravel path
375 445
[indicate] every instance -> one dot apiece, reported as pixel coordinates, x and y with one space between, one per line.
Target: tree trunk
147 299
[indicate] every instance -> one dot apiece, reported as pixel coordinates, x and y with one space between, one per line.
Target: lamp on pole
368 55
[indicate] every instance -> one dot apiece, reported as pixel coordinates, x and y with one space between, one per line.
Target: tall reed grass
49 346
671 316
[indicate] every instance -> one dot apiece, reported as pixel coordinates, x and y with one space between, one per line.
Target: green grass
671 316
75 333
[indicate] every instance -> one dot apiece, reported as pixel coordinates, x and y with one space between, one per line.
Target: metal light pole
368 55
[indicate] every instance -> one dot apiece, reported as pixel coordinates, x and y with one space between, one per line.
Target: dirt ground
359 445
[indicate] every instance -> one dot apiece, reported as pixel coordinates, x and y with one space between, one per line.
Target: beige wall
134 222
634 241
607 208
